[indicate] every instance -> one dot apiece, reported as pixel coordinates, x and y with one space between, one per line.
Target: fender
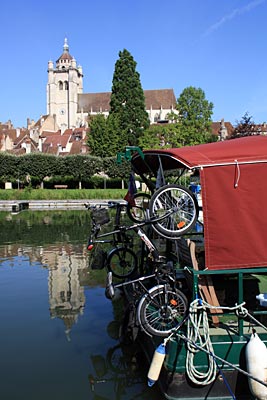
256 359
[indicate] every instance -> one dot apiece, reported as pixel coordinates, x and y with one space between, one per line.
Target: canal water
59 335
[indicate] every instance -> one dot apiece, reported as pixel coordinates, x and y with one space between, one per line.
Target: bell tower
65 82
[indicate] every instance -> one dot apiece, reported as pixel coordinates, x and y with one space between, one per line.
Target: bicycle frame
158 309
118 236
122 229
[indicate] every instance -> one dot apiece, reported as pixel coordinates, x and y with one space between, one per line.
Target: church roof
156 99
65 55
94 102
99 102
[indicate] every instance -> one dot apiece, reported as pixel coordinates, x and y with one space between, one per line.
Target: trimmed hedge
38 170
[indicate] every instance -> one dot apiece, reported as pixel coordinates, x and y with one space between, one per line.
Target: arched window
60 85
66 85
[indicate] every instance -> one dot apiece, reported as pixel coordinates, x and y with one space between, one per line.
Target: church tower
65 83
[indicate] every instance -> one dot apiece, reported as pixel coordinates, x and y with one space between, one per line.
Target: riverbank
17 206
60 194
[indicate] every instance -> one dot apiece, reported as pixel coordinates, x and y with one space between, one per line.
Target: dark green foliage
128 100
104 138
151 138
244 127
194 115
51 170
114 170
97 136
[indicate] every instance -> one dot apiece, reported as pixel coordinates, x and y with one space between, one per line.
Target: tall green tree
103 136
127 99
195 113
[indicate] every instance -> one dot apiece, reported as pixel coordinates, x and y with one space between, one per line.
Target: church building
70 107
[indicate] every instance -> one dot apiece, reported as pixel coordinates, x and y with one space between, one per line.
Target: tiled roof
216 127
12 133
94 102
77 147
65 56
22 137
155 99
49 133
56 139
40 121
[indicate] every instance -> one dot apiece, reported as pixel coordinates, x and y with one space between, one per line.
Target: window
66 85
60 85
156 117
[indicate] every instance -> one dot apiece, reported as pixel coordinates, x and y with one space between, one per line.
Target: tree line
39 170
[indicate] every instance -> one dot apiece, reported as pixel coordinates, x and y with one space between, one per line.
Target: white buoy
256 358
156 364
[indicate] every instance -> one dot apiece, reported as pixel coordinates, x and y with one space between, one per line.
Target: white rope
237 174
198 332
199 340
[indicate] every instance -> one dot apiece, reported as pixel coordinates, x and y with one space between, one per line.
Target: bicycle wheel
138 212
122 262
161 310
183 206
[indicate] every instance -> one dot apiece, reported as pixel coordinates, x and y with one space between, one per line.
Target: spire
64 60
66 46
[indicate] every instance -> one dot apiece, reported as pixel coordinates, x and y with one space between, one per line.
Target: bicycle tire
185 210
122 262
138 212
116 361
161 310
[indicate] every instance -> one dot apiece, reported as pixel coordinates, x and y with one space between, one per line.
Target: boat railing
256 310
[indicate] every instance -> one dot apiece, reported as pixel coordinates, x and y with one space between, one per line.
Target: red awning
247 149
234 195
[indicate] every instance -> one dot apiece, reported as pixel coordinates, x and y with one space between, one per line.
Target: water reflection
59 334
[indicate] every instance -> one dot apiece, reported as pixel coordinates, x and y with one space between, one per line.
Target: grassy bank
61 194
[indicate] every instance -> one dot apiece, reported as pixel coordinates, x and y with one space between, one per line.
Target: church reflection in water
68 274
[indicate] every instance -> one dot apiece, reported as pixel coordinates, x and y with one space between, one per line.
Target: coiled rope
198 341
198 332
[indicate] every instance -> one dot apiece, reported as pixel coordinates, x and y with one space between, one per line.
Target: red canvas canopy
234 195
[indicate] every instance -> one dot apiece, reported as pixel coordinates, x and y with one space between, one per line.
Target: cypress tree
127 99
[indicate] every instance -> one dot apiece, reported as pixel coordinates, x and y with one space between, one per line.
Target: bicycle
121 259
139 211
158 309
185 210
175 211
120 366
179 199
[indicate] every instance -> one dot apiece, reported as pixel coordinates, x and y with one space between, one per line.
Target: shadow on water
59 333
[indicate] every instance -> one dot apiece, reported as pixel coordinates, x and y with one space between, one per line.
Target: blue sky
219 46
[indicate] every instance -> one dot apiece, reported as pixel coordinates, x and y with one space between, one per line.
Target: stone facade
65 83
67 103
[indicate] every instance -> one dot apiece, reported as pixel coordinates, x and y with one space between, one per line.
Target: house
222 129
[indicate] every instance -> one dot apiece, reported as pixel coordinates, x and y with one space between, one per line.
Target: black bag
100 216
